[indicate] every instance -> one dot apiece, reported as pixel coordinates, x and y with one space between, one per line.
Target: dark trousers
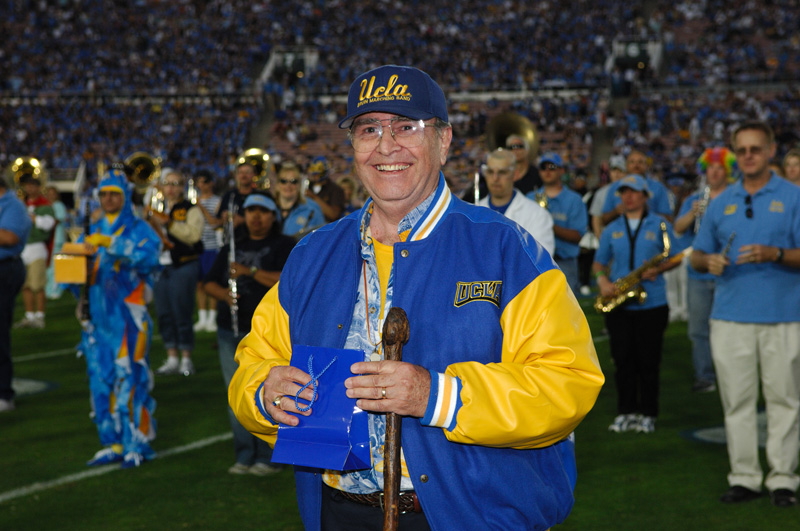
12 276
174 296
636 339
340 514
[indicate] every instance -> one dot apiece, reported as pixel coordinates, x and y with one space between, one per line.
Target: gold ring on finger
383 392
277 402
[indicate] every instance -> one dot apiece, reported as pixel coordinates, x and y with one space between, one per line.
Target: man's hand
756 254
407 387
283 382
717 264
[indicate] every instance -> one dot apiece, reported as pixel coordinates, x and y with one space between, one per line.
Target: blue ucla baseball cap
260 200
401 90
634 182
552 158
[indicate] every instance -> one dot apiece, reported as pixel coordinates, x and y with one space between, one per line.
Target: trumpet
629 287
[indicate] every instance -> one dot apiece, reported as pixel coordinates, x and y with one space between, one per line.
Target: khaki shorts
36 278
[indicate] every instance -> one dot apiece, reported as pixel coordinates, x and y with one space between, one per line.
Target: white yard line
56 353
40 486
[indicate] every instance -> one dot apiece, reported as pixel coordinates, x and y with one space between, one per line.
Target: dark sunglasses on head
288 181
749 211
516 146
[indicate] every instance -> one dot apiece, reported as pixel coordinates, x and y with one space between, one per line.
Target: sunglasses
516 146
548 166
749 211
288 181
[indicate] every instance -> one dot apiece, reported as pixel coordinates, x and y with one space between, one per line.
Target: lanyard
632 239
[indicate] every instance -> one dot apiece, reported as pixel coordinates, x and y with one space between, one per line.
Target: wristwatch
253 270
779 258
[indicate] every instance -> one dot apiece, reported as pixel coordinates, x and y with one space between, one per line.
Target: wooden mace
395 334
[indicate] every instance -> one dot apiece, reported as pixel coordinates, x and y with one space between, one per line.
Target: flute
232 285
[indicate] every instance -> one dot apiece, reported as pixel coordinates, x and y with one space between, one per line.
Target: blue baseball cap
402 90
634 182
260 200
552 158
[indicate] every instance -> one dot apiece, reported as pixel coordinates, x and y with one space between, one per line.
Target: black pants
636 339
12 276
340 514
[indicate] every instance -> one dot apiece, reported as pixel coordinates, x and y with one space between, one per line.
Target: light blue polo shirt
754 293
568 211
615 248
14 218
306 215
659 201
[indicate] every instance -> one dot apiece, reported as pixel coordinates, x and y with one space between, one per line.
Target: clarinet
84 302
232 286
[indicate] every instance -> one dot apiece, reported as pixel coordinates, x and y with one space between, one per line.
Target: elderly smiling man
490 388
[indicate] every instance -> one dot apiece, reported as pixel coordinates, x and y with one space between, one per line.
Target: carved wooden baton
395 333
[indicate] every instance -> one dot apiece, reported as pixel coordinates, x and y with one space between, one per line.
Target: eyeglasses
548 166
288 181
516 146
749 211
753 150
173 183
365 135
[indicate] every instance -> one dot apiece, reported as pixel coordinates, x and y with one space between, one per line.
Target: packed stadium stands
91 80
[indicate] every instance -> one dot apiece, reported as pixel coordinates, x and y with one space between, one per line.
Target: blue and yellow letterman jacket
487 307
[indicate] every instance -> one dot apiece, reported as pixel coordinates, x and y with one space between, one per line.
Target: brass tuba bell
510 123
260 160
27 166
143 170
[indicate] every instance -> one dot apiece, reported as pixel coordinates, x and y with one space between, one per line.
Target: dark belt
409 503
9 259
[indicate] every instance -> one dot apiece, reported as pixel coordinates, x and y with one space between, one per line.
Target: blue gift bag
336 435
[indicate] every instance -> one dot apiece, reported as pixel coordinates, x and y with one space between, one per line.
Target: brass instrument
260 160
143 170
629 286
27 166
541 198
510 123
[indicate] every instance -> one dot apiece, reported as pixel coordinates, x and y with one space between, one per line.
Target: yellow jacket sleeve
547 381
267 345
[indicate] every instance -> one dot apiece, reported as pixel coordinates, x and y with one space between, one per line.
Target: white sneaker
238 469
623 423
200 326
187 367
263 469
211 326
6 405
169 367
38 322
646 425
24 323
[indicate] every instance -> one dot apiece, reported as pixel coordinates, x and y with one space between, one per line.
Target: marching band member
636 330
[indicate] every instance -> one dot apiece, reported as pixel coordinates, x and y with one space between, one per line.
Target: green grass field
664 480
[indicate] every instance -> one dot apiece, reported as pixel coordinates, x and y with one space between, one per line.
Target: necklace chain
379 344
